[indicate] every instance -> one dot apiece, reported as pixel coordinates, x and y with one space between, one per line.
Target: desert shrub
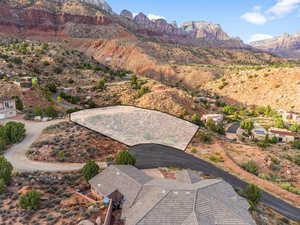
90 170
216 158
290 188
5 170
194 151
61 156
16 60
253 194
251 167
49 111
72 110
140 92
296 144
30 200
57 70
204 137
2 186
125 158
263 144
101 84
19 103
51 87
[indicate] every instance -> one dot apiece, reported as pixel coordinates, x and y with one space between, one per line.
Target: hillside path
16 155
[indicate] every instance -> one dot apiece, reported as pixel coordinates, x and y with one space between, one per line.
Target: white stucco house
217 118
7 108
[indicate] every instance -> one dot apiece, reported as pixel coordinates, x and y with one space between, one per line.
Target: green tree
49 111
253 194
19 103
229 110
247 125
125 158
197 120
30 200
279 124
5 169
90 170
15 132
52 87
38 111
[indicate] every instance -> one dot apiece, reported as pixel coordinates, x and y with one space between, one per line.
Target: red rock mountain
155 48
285 46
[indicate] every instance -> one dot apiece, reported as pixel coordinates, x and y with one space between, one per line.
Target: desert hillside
277 87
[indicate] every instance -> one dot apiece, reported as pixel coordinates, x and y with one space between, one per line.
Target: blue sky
247 19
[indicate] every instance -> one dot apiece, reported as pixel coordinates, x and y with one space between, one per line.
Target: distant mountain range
287 45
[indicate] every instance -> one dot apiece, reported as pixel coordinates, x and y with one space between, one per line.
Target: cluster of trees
91 168
11 133
70 98
49 111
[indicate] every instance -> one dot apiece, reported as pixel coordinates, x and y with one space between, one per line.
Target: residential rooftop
186 201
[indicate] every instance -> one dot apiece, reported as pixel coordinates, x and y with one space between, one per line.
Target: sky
250 20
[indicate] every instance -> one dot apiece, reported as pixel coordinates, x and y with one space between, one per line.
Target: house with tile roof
283 135
187 200
7 108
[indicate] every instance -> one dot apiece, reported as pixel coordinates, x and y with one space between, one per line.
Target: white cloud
280 9
283 8
259 37
155 17
254 17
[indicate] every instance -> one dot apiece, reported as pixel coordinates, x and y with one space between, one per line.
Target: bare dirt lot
68 142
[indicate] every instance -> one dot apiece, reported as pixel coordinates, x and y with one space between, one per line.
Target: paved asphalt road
233 128
152 156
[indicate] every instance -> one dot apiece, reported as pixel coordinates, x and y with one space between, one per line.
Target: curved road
16 155
151 156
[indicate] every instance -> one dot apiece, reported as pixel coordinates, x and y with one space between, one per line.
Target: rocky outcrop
127 14
205 30
100 4
286 45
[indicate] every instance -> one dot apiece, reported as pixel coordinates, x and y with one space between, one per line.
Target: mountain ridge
286 45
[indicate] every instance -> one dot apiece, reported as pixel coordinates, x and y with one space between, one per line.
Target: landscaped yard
68 142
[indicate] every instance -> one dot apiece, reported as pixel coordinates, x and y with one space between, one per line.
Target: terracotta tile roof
287 133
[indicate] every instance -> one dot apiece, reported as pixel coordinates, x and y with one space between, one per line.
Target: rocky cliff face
205 30
195 33
100 4
286 45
